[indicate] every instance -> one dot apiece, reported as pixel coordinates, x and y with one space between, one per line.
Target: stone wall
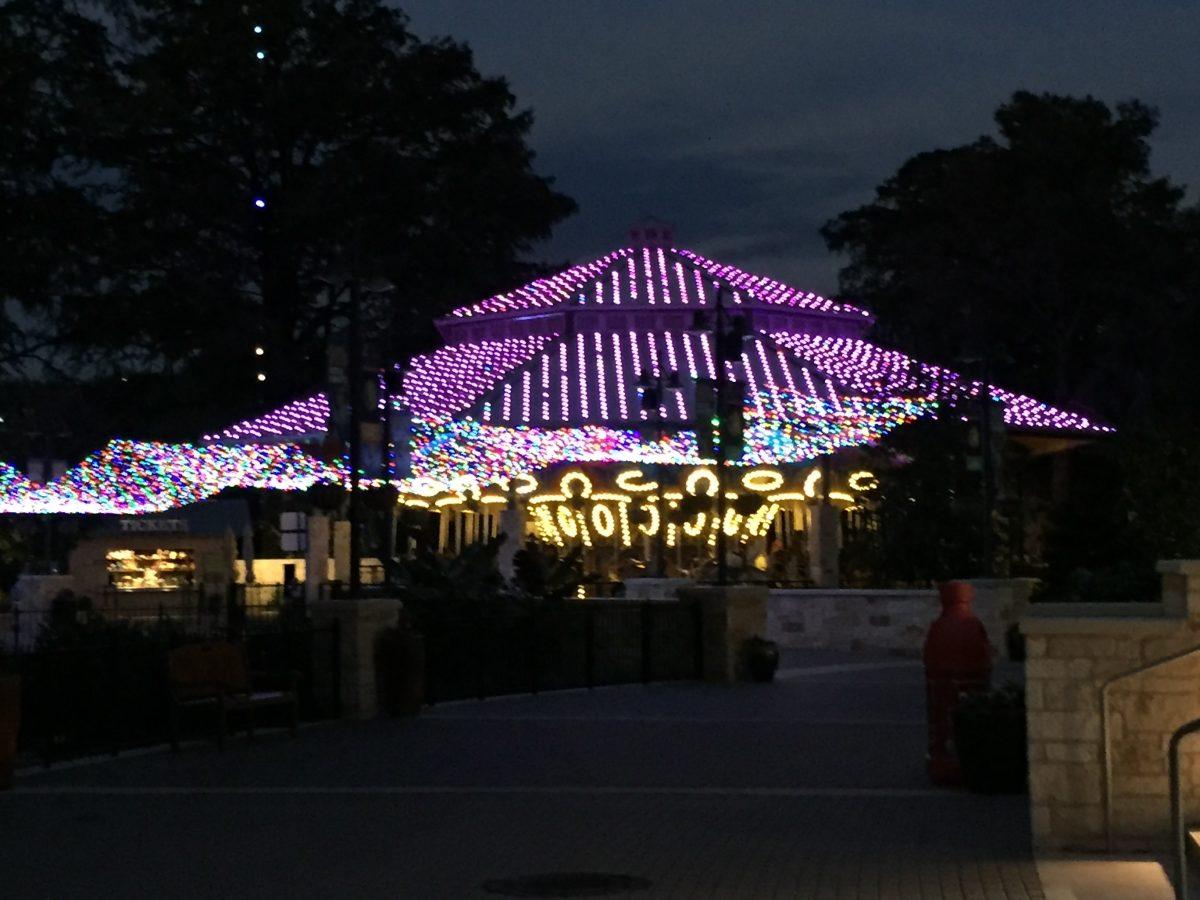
895 621
1073 649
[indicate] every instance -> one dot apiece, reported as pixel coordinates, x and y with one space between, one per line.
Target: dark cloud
749 124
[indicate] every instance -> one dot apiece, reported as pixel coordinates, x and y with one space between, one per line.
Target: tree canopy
181 178
1052 253
1051 249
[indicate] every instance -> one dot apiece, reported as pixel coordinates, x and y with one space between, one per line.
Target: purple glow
652 277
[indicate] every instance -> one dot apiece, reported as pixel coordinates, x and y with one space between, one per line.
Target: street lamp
653 390
357 288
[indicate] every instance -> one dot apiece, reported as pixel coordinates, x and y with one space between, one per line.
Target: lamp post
354 381
652 392
724 335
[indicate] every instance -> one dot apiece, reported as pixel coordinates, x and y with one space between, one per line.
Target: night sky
748 124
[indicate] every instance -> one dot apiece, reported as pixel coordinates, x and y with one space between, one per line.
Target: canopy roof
548 374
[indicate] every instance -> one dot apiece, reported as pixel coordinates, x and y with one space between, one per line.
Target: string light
516 392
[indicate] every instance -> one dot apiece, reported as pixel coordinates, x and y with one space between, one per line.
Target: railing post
533 651
1178 826
589 637
480 667
647 641
335 630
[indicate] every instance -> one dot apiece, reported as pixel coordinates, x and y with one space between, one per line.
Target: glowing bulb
262 376
260 202
261 54
258 29
258 351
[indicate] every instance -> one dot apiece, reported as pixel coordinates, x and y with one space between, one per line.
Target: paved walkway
809 787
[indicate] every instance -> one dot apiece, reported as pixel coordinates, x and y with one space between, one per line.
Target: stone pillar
360 621
1000 603
341 551
512 526
1073 650
316 556
730 615
824 535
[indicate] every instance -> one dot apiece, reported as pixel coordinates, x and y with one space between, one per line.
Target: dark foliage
1051 257
135 140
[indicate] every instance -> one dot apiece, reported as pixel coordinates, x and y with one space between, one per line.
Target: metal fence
583 644
98 683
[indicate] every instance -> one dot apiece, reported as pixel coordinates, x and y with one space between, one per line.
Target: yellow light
493 498
623 514
603 520
698 475
810 483
672 533
546 498
863 481
567 523
693 529
585 484
414 501
448 501
733 522
630 480
762 480
527 484
619 498
650 528
584 532
545 522
841 495
787 495
425 487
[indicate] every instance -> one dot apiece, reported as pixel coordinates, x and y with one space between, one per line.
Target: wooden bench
215 678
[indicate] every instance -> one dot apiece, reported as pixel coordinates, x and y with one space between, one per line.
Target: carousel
644 407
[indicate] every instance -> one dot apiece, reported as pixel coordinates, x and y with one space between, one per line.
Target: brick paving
809 787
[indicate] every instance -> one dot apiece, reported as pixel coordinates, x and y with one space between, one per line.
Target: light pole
354 386
723 434
652 392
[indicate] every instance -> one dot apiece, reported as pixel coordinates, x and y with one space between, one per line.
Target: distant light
258 351
260 202
258 29
262 376
261 54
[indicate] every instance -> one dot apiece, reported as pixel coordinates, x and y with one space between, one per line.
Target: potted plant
10 723
400 668
762 658
989 739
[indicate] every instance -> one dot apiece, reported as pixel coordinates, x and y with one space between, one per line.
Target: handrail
1178 829
1106 739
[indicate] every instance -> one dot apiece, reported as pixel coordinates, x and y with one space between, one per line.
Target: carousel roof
548 373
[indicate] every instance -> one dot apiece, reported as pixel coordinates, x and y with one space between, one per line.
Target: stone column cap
1189 567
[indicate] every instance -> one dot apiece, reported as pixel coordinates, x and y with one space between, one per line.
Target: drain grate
566 884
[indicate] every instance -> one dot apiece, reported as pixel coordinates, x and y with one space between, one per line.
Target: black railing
103 687
579 644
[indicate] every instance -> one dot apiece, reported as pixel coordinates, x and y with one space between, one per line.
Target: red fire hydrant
958 660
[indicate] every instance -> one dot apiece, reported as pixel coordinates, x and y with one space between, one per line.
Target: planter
400 670
762 659
10 725
991 748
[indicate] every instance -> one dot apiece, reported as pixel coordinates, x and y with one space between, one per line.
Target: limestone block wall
1072 650
895 621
